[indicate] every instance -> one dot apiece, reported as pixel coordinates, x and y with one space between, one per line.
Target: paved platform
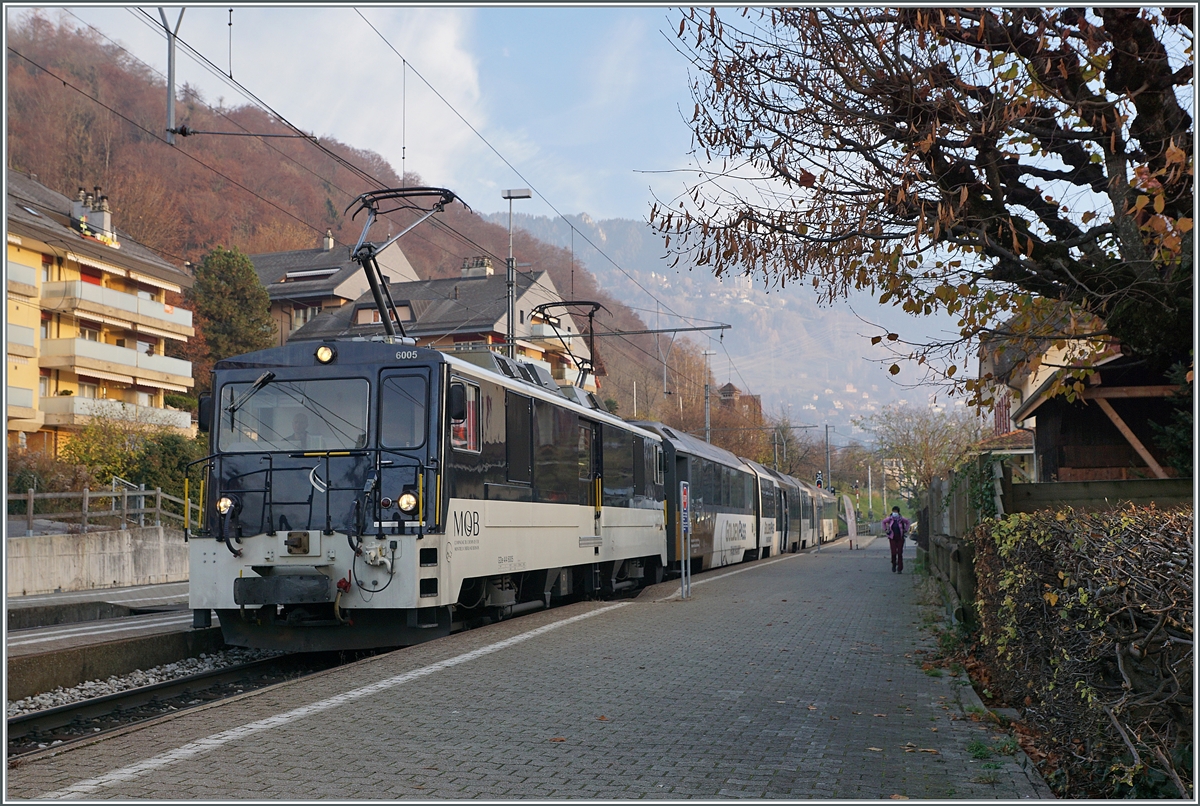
795 677
137 596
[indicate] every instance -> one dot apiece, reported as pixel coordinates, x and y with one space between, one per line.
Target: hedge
1086 622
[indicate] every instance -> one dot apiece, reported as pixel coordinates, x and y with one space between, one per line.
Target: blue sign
685 509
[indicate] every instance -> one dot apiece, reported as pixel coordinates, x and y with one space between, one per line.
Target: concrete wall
50 563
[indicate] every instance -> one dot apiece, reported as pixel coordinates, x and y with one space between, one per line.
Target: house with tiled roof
469 312
304 283
87 318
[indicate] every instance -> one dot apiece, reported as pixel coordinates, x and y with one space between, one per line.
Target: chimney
327 244
477 267
92 215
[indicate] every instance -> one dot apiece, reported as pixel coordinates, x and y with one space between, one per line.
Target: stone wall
50 563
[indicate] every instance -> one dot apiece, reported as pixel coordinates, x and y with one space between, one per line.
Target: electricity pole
828 471
707 419
510 337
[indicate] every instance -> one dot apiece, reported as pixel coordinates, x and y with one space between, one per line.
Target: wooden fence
102 509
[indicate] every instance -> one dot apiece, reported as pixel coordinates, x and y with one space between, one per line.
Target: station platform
793 677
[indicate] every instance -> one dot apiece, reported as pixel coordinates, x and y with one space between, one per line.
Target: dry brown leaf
876 749
559 739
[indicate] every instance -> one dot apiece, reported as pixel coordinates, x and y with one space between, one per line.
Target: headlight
325 354
224 504
407 502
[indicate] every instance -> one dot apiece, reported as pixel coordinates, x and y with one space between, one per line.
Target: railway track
56 727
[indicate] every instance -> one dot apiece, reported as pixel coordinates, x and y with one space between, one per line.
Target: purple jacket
890 519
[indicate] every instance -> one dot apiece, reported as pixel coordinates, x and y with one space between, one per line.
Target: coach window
464 433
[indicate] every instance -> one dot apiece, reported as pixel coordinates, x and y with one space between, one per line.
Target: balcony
81 354
545 333
73 295
21 278
78 411
21 340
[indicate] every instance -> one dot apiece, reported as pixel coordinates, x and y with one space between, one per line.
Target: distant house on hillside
87 319
467 313
734 399
306 282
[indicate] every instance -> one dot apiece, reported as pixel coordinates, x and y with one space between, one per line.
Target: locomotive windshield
318 415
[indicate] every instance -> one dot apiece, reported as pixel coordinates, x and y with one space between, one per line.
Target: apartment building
87 319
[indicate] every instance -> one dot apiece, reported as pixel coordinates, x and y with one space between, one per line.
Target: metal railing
99 510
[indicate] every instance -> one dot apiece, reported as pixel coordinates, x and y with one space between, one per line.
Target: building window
89 332
143 398
302 316
45 329
45 270
146 347
43 386
91 391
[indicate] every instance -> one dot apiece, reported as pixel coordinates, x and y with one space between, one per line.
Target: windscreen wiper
259 383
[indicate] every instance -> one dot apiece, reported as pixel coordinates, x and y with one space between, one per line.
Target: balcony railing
99 351
66 296
21 273
21 398
19 334
75 407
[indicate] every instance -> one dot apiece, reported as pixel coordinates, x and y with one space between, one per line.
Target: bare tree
924 441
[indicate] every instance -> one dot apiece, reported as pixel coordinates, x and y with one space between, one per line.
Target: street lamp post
510 336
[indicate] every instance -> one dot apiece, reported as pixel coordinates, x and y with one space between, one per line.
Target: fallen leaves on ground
559 739
876 749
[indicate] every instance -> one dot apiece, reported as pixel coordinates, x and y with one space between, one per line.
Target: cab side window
464 432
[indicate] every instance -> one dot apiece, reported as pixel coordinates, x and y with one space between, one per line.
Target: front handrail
423 473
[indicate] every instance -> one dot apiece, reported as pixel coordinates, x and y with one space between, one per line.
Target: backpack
896 533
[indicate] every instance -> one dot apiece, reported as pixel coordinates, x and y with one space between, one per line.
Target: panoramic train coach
723 510
368 493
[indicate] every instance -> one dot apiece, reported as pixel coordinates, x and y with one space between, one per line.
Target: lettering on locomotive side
406 355
735 530
466 523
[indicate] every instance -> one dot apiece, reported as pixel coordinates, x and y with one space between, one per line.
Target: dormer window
370 316
309 274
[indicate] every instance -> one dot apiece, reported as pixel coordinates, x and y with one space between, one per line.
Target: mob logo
466 524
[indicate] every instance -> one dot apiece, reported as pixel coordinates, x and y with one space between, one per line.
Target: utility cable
512 167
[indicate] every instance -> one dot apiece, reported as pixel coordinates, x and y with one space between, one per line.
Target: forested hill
82 113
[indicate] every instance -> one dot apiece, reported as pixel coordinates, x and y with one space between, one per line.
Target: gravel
137 678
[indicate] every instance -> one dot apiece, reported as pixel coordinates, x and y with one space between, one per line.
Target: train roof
686 443
520 376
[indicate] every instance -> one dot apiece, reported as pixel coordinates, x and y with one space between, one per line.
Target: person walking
896 527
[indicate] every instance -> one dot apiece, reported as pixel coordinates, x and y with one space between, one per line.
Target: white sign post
685 539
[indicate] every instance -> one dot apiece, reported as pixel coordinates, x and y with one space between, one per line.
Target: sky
578 102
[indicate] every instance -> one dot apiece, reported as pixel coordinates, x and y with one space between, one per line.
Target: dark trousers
897 553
